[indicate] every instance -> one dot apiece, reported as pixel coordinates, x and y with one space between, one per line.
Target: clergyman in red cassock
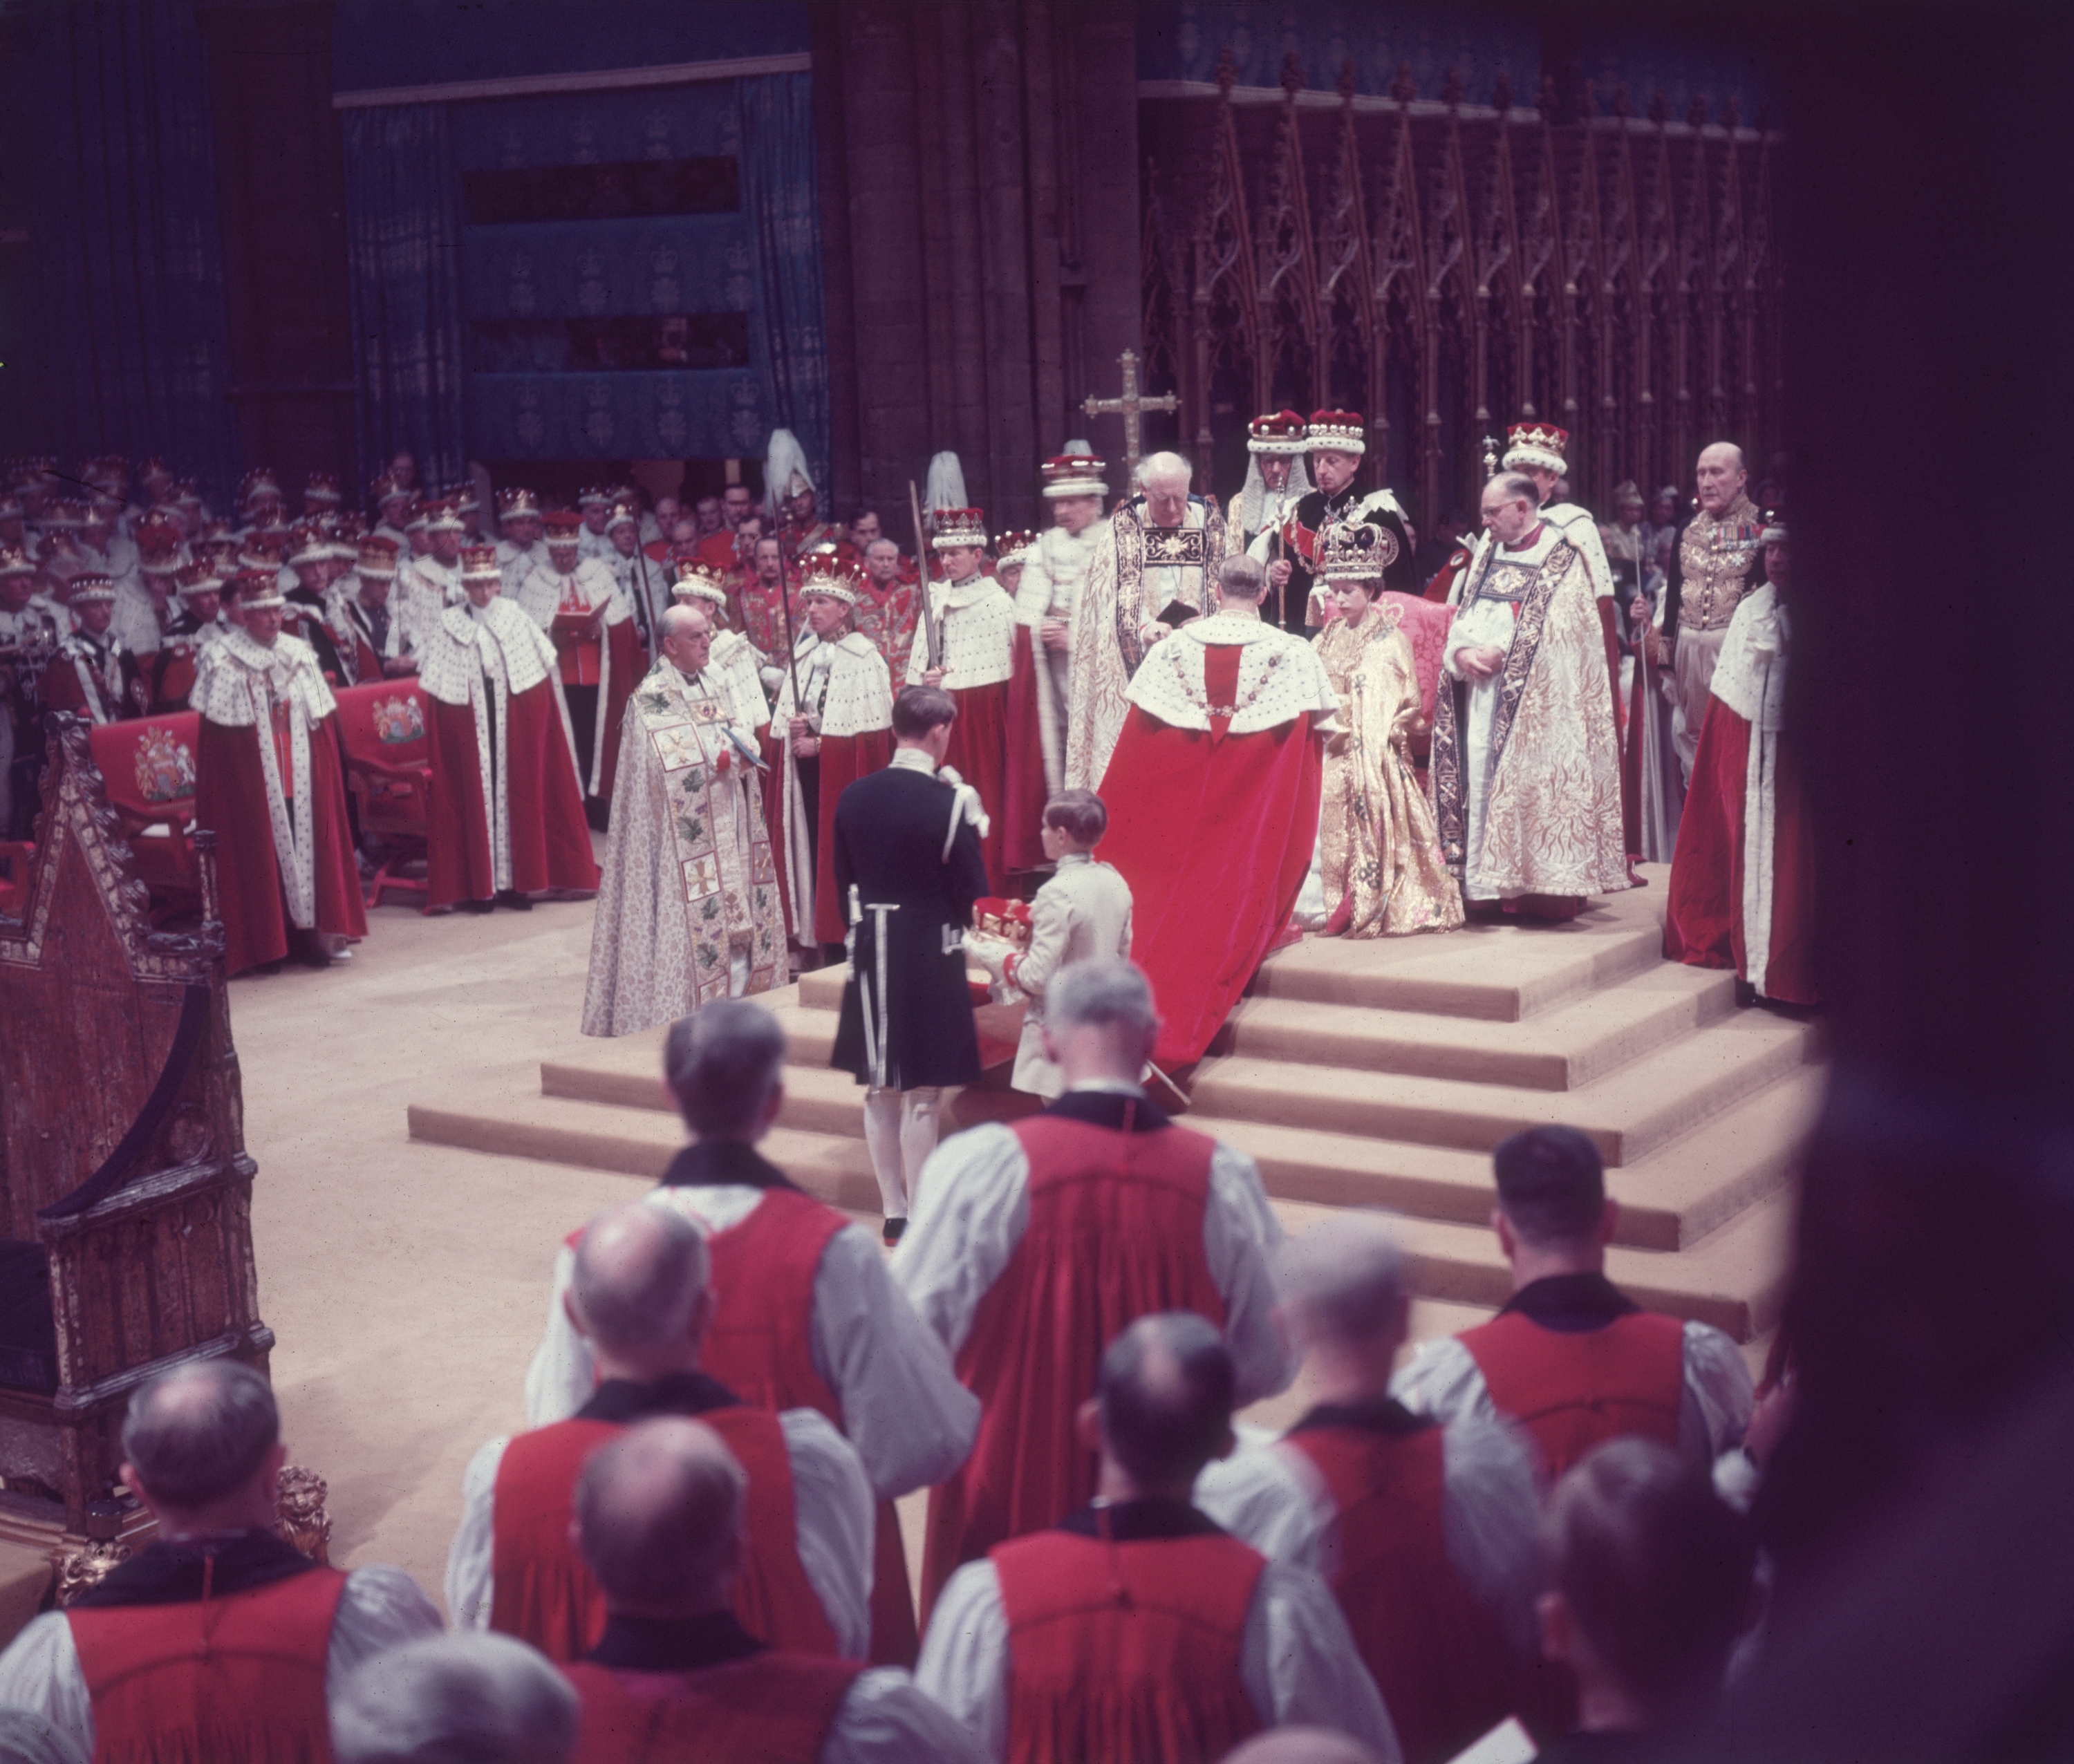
641 1292
1134 1627
1742 880
1212 795
1046 1239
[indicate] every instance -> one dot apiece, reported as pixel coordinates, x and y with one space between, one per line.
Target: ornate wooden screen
1448 269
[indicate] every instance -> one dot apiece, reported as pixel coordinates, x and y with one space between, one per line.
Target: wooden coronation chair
125 1237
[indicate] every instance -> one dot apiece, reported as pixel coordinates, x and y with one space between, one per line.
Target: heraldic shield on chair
125 1237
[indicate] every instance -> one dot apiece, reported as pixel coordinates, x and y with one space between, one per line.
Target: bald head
1719 476
1164 1399
1166 471
199 1434
659 1517
639 1286
1301 1745
1345 1281
685 618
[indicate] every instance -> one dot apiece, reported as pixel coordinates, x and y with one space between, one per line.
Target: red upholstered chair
388 768
147 765
1425 625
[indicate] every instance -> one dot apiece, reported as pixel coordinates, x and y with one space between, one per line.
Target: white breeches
900 1130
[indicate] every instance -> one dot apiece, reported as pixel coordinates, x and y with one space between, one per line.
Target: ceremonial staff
792 647
642 610
929 630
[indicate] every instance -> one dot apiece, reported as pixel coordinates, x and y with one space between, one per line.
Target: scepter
922 571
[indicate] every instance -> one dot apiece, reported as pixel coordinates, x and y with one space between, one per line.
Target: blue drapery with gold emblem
403 257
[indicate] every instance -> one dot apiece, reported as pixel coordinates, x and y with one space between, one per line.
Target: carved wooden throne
125 1234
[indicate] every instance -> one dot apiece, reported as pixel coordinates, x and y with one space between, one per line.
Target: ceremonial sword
929 630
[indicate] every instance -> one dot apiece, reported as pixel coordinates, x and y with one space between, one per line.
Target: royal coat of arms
165 767
398 721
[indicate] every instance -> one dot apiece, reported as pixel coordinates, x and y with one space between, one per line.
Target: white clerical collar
1107 1087
911 759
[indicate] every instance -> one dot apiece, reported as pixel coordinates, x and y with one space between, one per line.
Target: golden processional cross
1129 406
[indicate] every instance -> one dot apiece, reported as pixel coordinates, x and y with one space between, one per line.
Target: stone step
1564 1048
1733 1279
1644 1104
1670 1200
1507 971
635 1141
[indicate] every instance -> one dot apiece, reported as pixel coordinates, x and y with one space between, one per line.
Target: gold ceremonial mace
1129 406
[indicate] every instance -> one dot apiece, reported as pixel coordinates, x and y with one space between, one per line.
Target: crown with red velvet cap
198 578
1531 444
256 589
826 575
1335 432
478 563
515 500
260 482
1283 432
1075 474
1012 547
693 578
957 526
564 527
323 487
377 556
89 588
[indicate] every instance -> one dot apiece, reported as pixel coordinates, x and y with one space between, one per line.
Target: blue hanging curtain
133 347
778 199
403 251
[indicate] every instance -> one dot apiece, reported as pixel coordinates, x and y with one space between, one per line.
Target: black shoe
478 905
518 902
893 1227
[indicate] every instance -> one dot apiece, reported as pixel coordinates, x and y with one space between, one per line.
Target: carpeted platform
1371 1074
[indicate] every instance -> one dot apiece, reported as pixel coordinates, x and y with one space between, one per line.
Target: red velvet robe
1024 791
236 1677
1573 1389
1213 832
776 1708
979 753
1703 924
230 797
1127 1650
550 840
844 759
542 1592
1040 1333
758 1346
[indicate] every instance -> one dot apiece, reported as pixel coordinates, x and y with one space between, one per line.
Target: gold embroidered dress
1377 839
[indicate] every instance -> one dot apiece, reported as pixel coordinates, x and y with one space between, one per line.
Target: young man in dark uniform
907 869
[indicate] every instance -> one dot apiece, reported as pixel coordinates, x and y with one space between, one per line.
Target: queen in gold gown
1379 846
